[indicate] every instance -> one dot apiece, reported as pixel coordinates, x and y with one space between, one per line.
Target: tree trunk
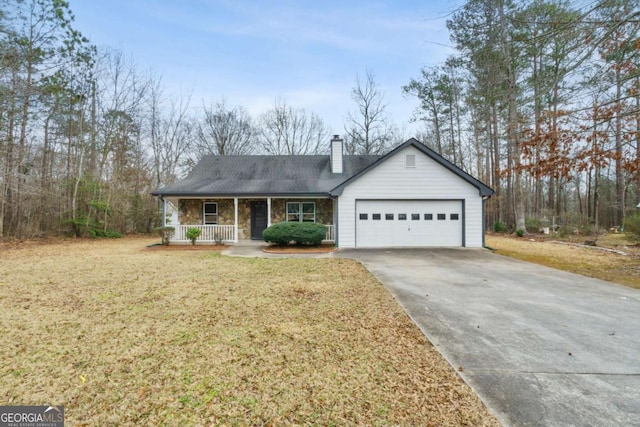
512 125
596 196
618 160
7 177
496 160
92 147
537 132
588 201
22 145
637 169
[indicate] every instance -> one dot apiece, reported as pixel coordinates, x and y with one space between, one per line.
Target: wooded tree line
86 135
542 102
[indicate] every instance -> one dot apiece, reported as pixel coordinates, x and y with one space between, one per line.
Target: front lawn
123 335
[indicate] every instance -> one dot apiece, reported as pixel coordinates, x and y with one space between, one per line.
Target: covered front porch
231 219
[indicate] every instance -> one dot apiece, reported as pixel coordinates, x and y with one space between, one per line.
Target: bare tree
123 172
430 110
224 131
286 130
368 131
171 134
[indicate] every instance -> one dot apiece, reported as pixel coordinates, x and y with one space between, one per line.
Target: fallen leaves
125 336
624 270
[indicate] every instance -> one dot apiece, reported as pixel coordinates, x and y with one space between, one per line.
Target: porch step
247 242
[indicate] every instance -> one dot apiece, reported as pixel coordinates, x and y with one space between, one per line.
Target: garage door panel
408 223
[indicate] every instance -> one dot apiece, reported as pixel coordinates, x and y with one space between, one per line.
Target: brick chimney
336 154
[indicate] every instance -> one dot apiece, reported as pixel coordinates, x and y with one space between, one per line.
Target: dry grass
122 336
624 270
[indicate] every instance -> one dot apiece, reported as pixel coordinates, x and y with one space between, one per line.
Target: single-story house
409 197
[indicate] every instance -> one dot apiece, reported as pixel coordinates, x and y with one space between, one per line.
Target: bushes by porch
298 233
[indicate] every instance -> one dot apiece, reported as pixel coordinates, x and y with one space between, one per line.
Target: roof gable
484 190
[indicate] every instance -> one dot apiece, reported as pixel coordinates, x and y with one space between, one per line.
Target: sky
254 53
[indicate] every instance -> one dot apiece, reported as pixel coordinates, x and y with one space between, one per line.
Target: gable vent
410 161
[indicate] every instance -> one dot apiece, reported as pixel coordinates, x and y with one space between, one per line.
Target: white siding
393 180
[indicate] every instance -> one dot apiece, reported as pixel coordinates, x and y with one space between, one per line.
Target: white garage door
408 223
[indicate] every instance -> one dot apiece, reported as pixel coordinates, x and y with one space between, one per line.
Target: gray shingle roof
264 175
289 175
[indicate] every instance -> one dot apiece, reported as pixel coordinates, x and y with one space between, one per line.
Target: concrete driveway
541 347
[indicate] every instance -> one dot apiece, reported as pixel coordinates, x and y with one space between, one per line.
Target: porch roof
265 175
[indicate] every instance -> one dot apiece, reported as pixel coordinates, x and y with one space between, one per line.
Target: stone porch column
164 212
235 208
268 211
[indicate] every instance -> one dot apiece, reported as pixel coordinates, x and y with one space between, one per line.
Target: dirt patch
173 248
299 249
611 266
123 336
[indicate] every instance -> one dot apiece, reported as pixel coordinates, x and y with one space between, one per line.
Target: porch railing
222 233
330 232
208 233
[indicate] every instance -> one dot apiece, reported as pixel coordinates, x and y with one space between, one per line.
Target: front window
301 212
210 213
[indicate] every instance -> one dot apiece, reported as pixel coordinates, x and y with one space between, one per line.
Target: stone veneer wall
324 209
190 212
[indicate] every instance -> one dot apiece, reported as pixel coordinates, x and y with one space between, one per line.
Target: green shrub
166 233
81 227
97 233
632 227
575 223
499 227
300 233
566 230
533 223
111 234
520 232
192 234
